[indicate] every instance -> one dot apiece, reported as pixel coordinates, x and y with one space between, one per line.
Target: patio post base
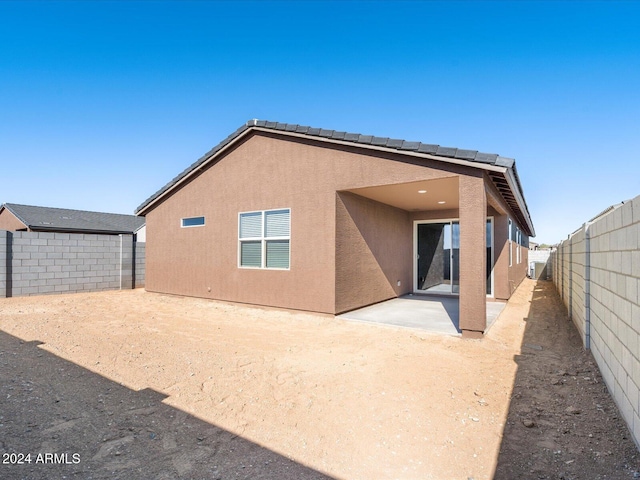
472 334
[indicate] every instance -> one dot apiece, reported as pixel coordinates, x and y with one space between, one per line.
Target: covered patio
436 239
430 313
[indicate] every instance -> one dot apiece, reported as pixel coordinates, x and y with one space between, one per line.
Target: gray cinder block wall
4 239
139 264
127 259
37 263
597 274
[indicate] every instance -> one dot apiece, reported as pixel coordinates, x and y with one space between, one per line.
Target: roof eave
511 177
59 229
204 162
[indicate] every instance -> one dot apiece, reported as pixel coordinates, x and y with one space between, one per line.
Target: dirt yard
134 385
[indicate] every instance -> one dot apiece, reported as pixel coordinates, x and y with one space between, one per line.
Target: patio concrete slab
425 312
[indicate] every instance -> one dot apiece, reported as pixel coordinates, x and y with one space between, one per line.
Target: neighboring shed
46 250
313 219
15 217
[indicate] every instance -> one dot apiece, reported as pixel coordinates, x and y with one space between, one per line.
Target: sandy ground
140 385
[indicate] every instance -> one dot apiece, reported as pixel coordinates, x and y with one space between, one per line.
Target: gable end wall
267 171
9 222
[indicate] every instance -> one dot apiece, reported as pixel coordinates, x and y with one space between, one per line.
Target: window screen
264 239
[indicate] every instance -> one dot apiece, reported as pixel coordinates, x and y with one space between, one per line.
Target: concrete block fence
139 265
38 263
597 274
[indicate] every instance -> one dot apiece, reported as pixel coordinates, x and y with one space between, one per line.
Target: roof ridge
34 216
393 143
69 209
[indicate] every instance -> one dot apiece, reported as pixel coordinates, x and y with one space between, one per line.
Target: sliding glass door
437 257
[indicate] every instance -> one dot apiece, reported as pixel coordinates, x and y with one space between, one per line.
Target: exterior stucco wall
525 264
518 271
507 277
8 221
373 252
203 261
346 251
265 172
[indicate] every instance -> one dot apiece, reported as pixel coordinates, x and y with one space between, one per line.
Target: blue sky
102 103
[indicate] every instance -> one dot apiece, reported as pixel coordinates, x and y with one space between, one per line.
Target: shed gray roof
66 220
370 141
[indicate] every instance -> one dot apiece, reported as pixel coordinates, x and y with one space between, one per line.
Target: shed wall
8 221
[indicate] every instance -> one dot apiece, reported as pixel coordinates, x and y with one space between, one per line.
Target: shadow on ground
99 429
562 422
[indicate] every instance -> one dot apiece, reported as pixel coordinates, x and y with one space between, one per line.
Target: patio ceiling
438 194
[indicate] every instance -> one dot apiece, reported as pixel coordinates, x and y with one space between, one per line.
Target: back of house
304 218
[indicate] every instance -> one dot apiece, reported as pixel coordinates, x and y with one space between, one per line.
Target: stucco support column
473 256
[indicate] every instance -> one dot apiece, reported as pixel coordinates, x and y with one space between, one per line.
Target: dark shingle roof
399 145
63 219
387 142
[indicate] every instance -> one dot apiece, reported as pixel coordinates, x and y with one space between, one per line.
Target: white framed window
192 222
264 238
518 244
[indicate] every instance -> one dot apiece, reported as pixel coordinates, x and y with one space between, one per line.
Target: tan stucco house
305 218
